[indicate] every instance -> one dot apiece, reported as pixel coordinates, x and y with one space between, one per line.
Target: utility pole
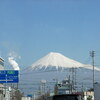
75 78
92 55
70 86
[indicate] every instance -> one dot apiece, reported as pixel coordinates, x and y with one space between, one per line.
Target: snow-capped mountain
57 61
43 69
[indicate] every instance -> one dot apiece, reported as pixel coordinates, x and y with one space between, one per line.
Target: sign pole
5 87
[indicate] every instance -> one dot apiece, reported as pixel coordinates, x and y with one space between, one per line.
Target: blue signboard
29 95
9 76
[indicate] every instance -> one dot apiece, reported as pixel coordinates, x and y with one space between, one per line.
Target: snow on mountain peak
57 60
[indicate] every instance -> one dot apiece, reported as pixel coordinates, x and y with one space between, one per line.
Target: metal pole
92 55
34 96
72 79
69 85
93 69
5 87
75 78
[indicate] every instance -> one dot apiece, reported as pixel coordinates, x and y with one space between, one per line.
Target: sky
33 28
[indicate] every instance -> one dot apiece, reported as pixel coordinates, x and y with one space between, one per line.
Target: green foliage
89 97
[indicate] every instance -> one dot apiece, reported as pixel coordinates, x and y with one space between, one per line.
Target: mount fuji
55 66
58 61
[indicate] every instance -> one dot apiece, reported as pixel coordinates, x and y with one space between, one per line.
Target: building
63 88
1 85
1 64
97 91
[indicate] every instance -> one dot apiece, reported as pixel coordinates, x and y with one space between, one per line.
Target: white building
1 64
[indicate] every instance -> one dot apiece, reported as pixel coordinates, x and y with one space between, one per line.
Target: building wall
1 85
97 91
1 64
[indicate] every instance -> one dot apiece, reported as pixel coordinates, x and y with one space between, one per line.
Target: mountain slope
58 61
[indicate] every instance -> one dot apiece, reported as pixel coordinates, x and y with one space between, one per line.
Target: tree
89 97
18 95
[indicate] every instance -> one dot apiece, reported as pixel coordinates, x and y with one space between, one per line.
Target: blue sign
9 76
29 95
